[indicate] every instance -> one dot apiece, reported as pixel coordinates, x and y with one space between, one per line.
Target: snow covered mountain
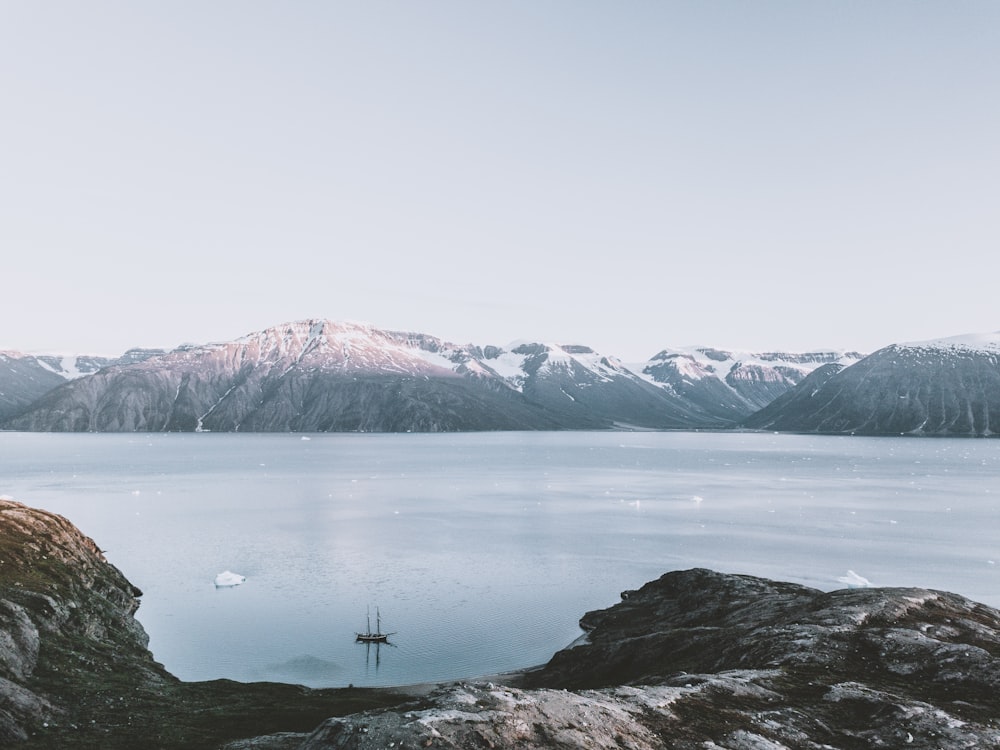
942 387
320 375
575 382
23 378
731 385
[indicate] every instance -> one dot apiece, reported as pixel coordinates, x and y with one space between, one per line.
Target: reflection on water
484 549
373 654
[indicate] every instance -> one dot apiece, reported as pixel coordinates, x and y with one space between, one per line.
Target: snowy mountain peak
341 346
541 358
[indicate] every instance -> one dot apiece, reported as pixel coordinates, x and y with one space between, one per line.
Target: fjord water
482 550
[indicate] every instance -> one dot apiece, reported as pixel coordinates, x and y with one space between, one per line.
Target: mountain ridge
323 375
941 387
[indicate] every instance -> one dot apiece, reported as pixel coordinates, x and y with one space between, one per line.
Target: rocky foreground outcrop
699 659
64 613
695 659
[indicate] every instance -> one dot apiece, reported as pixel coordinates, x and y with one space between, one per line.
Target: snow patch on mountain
565 356
434 359
68 367
502 363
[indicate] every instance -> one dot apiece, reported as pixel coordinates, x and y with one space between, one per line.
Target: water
482 550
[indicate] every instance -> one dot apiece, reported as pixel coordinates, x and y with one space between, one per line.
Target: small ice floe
228 578
306 437
853 581
698 499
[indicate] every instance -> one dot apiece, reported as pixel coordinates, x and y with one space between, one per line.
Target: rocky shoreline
695 659
75 670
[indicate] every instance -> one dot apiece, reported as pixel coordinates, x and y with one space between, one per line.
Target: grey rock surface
63 609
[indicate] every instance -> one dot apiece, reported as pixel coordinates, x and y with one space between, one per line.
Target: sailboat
373 636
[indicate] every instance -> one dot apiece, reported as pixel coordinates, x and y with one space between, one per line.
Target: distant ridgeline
324 376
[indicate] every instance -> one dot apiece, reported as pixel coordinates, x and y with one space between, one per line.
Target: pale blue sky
628 175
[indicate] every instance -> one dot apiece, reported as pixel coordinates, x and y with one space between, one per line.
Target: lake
481 551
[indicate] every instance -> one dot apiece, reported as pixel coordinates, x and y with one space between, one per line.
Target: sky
627 175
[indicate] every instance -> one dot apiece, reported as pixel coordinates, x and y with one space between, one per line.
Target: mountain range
327 376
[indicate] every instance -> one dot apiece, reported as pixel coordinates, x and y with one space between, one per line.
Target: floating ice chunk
229 578
853 581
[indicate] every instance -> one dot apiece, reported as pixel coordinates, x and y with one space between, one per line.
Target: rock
18 641
849 668
65 614
492 716
279 741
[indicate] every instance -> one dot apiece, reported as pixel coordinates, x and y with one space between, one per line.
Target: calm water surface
483 550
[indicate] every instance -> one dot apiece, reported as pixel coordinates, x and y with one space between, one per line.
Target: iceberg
853 581
228 578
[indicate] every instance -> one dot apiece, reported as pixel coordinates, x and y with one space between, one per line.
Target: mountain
575 382
942 387
732 385
27 377
319 375
23 378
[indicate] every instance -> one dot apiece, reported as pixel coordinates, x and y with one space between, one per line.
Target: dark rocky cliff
693 660
67 622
